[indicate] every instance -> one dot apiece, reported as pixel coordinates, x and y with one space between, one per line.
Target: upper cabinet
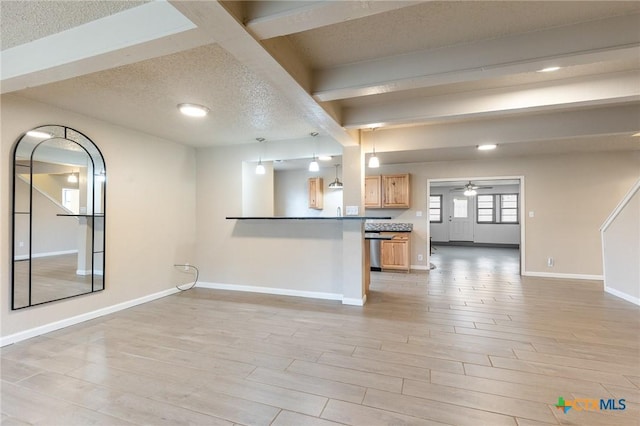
372 198
315 193
388 191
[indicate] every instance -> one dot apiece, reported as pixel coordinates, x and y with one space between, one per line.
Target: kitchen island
319 257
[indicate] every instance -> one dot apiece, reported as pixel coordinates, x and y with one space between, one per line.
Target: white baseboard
563 276
47 328
420 267
47 254
621 295
354 301
271 290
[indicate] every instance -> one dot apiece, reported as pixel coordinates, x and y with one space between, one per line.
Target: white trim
47 328
47 254
620 206
563 276
83 271
271 290
625 296
420 267
354 301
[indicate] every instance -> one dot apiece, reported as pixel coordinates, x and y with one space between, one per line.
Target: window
485 208
435 208
460 209
509 208
497 208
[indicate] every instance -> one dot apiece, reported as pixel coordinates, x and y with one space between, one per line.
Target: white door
461 218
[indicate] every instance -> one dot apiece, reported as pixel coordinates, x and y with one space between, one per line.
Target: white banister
620 235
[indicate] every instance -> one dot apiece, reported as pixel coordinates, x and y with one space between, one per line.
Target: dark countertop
377 236
304 218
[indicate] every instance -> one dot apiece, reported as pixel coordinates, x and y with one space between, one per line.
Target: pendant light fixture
313 165
72 178
336 184
374 162
260 170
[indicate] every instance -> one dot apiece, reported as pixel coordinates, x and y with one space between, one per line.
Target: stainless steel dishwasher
375 254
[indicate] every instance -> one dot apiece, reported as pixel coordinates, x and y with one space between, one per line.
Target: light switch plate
531 214
352 210
419 213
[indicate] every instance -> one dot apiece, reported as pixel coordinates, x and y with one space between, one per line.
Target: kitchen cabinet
395 191
395 253
387 191
372 198
316 193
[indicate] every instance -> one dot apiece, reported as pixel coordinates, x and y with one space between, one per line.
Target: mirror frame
96 158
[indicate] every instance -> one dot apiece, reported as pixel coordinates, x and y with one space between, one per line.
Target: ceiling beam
151 30
556 125
595 41
615 88
213 18
268 21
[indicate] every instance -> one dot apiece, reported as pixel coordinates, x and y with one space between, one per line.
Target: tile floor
469 343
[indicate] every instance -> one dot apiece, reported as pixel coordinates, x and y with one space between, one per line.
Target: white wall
621 248
495 233
150 212
292 193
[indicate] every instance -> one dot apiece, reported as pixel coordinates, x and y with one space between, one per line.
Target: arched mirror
59 188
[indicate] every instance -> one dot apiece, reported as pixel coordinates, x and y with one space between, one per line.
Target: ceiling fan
470 189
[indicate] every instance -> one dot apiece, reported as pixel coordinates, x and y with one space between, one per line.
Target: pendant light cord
186 268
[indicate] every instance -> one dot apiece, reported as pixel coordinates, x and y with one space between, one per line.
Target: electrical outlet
420 257
21 244
550 262
419 213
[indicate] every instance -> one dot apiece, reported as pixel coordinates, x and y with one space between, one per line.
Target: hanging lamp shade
336 184
313 165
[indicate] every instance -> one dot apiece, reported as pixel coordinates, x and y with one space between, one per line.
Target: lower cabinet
394 253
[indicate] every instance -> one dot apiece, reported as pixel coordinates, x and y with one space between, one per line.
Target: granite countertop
388 227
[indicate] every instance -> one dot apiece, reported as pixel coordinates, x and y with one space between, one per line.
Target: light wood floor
474 345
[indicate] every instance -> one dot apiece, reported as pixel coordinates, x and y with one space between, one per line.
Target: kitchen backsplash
388 227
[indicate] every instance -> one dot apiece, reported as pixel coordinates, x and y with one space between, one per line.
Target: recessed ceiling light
487 147
38 134
325 157
193 110
549 69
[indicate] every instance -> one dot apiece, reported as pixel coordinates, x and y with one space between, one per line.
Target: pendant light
313 165
72 178
260 170
336 184
374 162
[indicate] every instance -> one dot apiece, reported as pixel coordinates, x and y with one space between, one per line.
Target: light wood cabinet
372 198
316 193
395 191
387 191
395 253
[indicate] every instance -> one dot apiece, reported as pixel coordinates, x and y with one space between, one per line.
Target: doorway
474 213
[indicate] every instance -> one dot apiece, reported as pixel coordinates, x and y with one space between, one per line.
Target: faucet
339 211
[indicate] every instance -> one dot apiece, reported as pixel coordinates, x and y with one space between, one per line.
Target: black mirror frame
95 155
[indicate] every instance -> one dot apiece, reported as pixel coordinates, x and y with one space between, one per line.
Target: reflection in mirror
58 216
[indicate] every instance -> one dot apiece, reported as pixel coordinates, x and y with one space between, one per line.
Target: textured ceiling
241 103
25 21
